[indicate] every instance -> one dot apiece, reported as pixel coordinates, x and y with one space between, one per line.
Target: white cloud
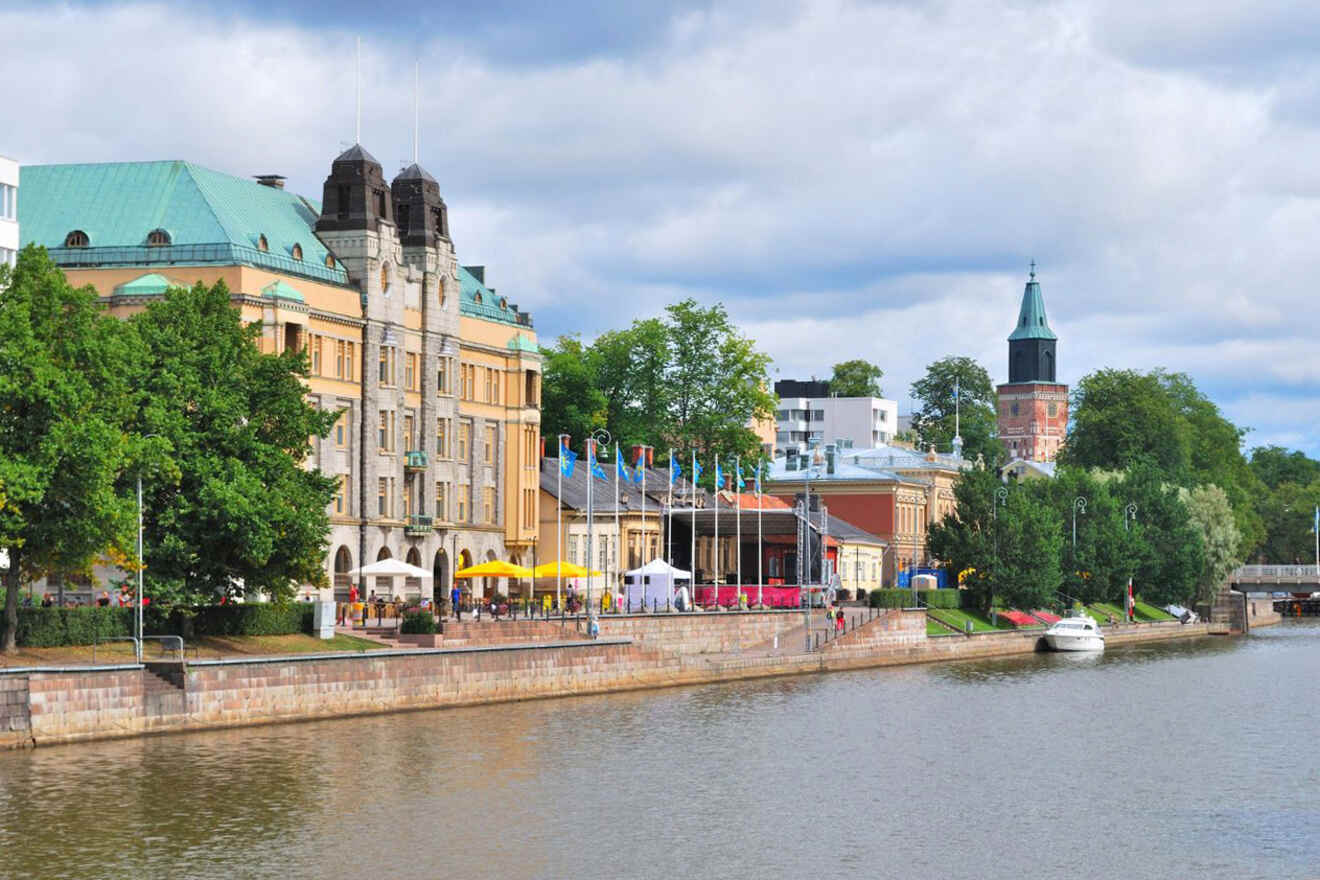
853 179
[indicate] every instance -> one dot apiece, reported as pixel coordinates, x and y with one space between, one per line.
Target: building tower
1033 406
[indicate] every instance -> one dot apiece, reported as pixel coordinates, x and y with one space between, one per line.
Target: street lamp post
1078 506
1001 497
1129 515
804 553
142 563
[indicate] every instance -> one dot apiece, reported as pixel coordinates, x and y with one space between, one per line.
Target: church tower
1033 406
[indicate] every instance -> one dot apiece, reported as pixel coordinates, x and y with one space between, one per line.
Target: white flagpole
669 509
717 529
692 575
591 528
737 541
760 550
618 533
559 529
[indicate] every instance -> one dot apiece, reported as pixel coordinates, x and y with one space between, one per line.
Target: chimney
636 450
274 181
791 459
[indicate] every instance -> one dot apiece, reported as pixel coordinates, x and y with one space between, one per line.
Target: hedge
929 598
418 622
85 625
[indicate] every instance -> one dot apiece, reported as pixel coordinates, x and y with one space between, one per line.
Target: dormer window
297 251
504 303
476 298
158 238
329 261
262 244
77 239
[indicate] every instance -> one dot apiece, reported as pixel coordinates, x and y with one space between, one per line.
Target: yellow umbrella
494 568
562 569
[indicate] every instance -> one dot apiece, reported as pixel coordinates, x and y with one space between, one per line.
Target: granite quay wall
39 706
714 632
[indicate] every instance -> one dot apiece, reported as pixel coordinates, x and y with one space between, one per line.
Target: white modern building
8 210
808 415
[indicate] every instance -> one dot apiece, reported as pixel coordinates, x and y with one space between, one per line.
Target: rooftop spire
1032 323
1033 269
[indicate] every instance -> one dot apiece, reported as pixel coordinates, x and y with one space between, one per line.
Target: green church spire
1032 323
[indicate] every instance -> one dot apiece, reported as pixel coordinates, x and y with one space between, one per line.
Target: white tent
653 584
391 568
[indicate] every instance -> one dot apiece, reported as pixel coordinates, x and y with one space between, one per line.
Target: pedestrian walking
455 598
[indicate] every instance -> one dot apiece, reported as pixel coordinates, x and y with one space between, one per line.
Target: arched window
262 244
297 251
329 261
384 277
442 292
158 238
77 238
476 298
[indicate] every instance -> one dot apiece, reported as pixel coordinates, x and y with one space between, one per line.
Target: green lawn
1147 611
935 628
1101 611
958 620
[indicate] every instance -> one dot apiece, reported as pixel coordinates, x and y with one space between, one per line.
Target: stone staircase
163 689
480 633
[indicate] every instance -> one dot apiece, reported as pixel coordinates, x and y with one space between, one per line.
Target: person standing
455 598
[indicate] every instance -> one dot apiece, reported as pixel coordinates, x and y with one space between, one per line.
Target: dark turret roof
356 153
415 172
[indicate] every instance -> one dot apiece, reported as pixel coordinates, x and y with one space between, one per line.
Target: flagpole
737 542
718 482
692 575
618 532
591 476
760 550
669 510
559 529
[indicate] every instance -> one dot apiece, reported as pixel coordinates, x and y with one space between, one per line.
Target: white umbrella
391 568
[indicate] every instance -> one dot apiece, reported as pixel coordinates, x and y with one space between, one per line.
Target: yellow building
437 377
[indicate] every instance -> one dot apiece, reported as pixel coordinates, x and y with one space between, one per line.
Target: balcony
414 460
418 525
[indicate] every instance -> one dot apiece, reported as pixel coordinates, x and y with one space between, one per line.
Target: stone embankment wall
65 705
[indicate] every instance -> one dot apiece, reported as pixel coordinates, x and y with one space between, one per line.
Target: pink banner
771 597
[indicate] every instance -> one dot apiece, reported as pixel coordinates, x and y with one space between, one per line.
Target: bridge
1276 578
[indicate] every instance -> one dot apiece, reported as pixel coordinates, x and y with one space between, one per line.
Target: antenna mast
357 82
417 89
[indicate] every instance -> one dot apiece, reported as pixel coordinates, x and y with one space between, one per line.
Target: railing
414 460
418 525
1279 572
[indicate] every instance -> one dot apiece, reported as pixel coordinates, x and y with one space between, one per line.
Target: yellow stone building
436 374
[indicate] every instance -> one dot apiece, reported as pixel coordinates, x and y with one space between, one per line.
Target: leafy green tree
1026 571
1212 515
1274 466
239 511
629 369
1097 569
1288 513
63 402
1170 552
1121 416
856 378
964 541
934 422
571 402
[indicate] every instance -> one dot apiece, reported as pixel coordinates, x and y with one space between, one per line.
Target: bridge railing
1281 572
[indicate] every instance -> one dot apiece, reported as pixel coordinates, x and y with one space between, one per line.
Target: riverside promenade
493 661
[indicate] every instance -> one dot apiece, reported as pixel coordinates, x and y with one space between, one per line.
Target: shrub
941 598
418 622
890 598
844 594
255 619
56 627
930 598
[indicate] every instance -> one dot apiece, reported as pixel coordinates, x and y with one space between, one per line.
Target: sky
850 179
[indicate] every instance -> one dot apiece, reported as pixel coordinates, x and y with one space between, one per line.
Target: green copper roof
1032 323
210 217
476 300
151 284
522 342
279 290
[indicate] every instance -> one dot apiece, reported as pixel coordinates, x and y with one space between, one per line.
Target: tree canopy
236 510
64 400
976 409
687 380
856 378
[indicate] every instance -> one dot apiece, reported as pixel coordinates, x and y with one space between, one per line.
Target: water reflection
928 771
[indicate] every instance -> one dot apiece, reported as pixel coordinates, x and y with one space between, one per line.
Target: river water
1181 759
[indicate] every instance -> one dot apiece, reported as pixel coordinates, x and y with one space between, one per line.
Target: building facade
891 492
808 415
1033 405
435 377
9 233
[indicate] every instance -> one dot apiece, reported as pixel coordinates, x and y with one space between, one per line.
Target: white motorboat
1075 634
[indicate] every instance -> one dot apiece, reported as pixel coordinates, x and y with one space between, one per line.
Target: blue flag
567 461
639 469
719 474
696 469
742 484
593 465
620 470
674 470
1317 519
758 478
